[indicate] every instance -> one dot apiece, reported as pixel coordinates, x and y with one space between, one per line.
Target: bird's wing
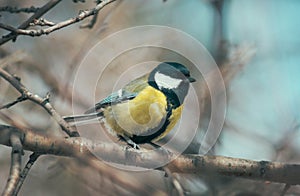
129 91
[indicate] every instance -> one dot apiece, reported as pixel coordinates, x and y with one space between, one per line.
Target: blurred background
254 43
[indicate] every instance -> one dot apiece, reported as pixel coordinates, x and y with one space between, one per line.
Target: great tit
146 109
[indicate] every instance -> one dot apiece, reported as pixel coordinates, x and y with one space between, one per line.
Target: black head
173 79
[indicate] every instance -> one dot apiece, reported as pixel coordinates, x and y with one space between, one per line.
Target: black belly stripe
140 139
172 103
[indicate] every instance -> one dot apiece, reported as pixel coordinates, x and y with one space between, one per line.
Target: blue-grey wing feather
116 98
130 91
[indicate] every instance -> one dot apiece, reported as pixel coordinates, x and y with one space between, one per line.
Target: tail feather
83 119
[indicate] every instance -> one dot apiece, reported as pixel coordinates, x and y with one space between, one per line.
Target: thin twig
42 22
15 169
33 157
91 23
81 16
18 100
125 181
24 25
44 102
9 28
10 9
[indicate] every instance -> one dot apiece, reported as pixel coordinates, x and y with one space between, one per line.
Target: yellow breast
139 115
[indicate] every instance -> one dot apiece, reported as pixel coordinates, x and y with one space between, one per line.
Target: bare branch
42 22
41 145
18 100
44 102
15 168
82 15
33 157
24 25
10 9
92 22
195 164
9 28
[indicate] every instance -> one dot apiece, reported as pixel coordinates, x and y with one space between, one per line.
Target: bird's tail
84 118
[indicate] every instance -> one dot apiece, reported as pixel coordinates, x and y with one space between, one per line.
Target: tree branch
44 102
42 22
15 167
10 9
35 16
18 100
47 145
33 157
194 164
82 15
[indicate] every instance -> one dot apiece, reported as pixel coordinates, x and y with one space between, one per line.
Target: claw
129 142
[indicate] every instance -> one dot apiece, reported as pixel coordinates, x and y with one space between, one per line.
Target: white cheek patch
164 81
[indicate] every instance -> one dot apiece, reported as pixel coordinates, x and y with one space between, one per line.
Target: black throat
173 97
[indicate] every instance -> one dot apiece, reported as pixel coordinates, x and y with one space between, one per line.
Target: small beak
192 79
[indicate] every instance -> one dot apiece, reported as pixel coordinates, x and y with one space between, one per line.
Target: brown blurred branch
47 145
11 9
15 166
15 57
238 57
40 12
44 102
32 159
195 164
18 100
175 182
44 31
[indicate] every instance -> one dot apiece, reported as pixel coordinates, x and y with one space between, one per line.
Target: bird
146 109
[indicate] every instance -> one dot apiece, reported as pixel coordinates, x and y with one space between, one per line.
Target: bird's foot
129 142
